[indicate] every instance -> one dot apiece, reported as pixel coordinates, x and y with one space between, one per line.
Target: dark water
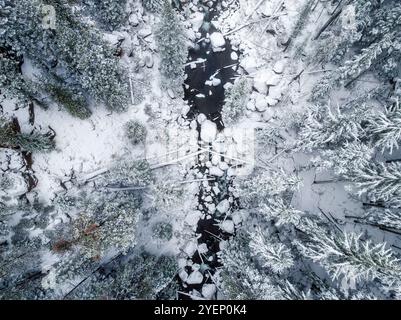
219 63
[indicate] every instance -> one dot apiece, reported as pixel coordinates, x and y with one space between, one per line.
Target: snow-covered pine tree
345 255
110 14
344 159
278 210
274 255
153 5
73 51
327 128
35 141
379 44
172 46
256 189
241 278
385 128
235 101
135 131
383 217
141 276
381 183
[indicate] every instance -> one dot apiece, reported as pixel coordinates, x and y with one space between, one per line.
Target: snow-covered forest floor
235 149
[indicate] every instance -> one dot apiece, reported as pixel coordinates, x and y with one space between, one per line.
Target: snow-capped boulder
234 56
208 290
195 278
145 32
215 171
261 103
201 118
223 165
249 64
208 131
202 248
191 248
12 184
271 101
216 82
275 92
193 218
223 206
237 219
183 275
149 61
227 226
133 20
279 66
251 105
217 41
272 79
259 83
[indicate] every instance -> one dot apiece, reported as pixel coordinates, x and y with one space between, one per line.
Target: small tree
235 101
172 45
346 255
136 132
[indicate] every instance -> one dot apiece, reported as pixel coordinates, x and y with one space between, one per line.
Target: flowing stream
208 100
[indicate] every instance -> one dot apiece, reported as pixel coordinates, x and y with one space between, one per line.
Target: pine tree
323 128
241 279
345 255
33 142
345 159
379 182
153 5
385 128
235 101
273 255
110 14
73 51
172 46
383 217
255 190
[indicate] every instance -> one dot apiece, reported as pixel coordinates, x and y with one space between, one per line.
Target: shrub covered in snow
110 14
27 142
135 131
162 231
153 5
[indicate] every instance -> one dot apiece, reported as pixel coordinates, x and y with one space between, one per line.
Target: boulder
217 41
